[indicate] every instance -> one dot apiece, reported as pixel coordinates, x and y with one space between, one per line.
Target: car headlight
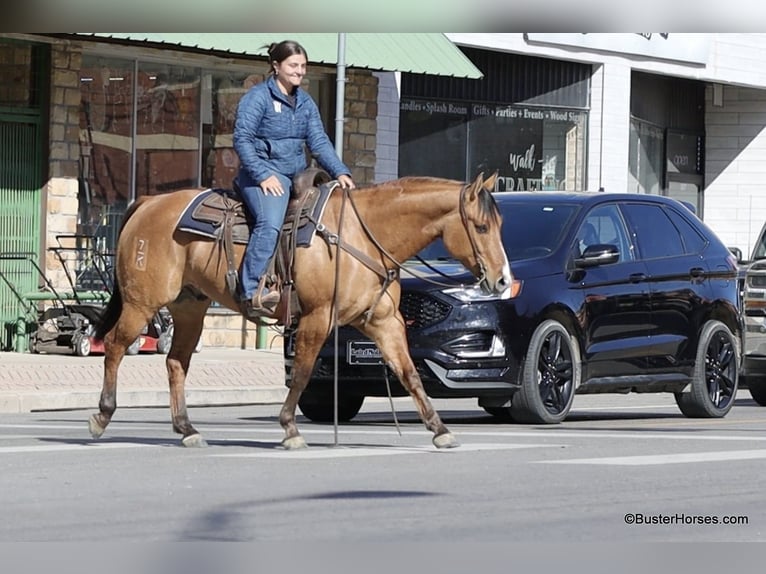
475 294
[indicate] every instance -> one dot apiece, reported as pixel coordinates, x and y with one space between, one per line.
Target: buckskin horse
158 265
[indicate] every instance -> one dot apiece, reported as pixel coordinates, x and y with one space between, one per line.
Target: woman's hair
279 51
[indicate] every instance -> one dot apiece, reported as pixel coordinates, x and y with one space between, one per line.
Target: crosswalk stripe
656 459
317 452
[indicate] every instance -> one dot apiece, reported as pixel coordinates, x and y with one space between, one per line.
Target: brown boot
263 303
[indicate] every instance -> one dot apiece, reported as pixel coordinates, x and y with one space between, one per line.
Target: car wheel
318 407
549 377
716 374
757 388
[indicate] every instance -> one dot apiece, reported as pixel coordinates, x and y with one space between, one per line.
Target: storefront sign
684 153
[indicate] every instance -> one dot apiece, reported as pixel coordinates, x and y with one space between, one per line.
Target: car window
535 229
652 231
529 230
603 225
693 240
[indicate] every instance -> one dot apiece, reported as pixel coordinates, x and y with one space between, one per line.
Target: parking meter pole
21 332
262 336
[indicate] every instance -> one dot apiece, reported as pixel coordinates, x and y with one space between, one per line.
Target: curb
217 377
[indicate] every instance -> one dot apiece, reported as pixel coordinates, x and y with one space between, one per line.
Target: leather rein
390 275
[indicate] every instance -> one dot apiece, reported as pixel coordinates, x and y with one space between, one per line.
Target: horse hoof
194 441
96 430
294 443
446 440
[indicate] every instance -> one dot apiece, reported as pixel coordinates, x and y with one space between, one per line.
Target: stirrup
262 304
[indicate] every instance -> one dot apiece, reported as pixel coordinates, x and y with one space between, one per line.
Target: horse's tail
113 309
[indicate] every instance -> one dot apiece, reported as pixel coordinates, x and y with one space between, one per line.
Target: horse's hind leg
132 320
188 318
309 338
390 337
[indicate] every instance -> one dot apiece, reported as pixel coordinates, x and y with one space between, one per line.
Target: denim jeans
268 212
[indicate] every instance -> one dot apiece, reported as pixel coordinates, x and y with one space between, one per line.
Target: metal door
20 209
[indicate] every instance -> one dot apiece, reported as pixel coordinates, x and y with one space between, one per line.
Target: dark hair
279 51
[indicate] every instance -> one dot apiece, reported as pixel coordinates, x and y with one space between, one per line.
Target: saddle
221 215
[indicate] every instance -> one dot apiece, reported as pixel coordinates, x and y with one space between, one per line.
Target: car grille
421 310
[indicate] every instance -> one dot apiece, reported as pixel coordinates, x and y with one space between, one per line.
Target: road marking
324 452
656 459
349 430
78 447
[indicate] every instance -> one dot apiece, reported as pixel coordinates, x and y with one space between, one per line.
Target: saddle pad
307 230
211 227
205 228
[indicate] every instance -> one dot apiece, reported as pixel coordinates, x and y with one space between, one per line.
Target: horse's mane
487 205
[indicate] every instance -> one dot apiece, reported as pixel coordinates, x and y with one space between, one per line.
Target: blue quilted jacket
269 135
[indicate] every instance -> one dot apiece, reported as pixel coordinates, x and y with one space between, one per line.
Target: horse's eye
481 228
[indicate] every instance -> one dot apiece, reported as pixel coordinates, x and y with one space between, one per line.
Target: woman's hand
272 186
346 182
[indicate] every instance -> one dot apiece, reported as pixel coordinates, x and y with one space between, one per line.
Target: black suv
619 293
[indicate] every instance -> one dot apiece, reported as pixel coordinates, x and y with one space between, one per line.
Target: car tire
550 376
319 407
757 388
716 374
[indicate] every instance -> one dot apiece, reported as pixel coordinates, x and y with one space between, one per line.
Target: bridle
474 246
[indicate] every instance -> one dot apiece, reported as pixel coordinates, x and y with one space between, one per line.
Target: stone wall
359 133
61 189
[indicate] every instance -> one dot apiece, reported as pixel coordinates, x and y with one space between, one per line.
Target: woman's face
290 71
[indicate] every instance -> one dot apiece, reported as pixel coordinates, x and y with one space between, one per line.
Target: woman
275 120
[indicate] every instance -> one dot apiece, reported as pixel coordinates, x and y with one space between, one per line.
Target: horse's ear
475 186
491 181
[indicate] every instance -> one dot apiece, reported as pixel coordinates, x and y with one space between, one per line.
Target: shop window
647 156
106 141
167 128
532 148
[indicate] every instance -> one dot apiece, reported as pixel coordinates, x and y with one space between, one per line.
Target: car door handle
697 272
637 277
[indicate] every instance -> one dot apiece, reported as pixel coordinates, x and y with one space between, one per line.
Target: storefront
667 135
527 119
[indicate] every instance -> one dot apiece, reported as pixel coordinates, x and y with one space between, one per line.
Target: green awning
418 53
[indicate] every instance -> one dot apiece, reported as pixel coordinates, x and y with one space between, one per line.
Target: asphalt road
620 469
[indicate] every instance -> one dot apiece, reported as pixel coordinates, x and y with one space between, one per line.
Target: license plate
363 353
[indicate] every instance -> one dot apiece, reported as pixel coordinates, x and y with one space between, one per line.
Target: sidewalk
30 382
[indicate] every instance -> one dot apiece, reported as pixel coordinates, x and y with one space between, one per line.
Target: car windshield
529 230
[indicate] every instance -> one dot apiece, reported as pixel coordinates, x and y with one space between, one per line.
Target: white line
676 434
655 459
315 452
61 447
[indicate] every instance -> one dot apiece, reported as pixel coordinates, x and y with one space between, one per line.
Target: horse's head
477 241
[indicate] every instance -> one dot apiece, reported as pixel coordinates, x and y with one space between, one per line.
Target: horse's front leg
309 338
390 337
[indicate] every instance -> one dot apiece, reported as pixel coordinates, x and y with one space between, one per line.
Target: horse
377 227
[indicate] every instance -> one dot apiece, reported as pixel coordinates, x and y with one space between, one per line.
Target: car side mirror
598 254
737 252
